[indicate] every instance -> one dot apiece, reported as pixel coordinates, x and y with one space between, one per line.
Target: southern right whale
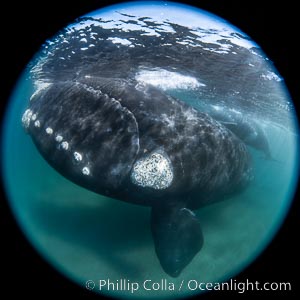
96 120
133 142
249 131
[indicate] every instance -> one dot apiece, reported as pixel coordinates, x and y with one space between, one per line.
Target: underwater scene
149 146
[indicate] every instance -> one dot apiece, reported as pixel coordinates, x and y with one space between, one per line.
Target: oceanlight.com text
126 285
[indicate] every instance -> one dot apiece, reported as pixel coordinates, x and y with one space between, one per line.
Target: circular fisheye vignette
35 210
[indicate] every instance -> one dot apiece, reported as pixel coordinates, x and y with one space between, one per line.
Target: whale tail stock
177 237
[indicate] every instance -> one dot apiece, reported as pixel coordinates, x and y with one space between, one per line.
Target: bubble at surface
186 54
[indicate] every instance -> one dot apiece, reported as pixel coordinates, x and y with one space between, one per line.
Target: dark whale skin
105 134
113 123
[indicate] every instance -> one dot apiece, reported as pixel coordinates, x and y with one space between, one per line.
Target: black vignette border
25 27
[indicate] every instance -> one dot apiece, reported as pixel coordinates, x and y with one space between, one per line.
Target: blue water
90 237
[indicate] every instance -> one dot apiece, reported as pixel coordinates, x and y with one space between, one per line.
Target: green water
90 237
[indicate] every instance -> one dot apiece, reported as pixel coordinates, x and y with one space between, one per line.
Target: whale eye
154 171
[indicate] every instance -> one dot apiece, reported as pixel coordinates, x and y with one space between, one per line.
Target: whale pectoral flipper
177 237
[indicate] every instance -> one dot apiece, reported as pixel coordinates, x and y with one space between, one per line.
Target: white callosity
49 130
65 145
29 116
86 171
26 118
37 124
59 138
77 156
154 171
